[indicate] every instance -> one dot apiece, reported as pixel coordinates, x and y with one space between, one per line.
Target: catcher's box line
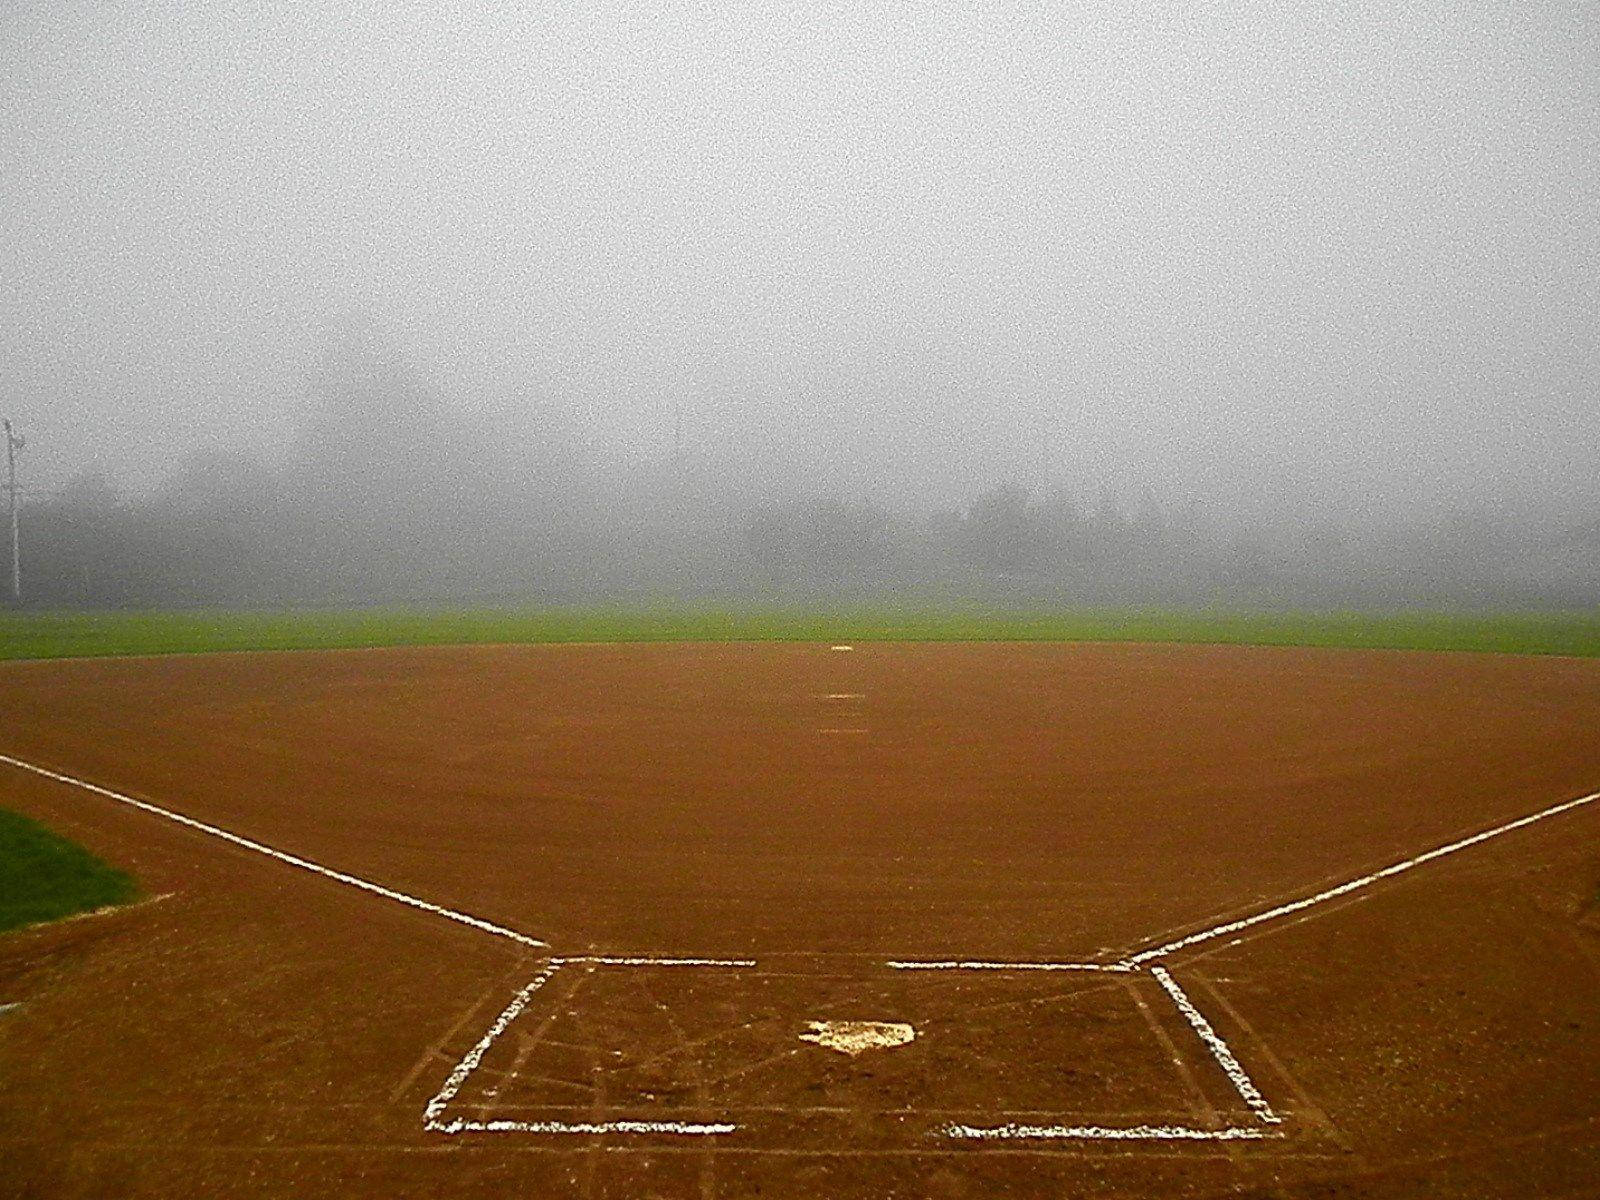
1114 1133
1242 1082
433 1116
689 1128
645 960
435 1120
1134 962
980 965
1220 1050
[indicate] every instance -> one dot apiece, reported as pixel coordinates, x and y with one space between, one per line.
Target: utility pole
13 444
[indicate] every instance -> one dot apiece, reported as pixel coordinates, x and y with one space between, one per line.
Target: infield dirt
265 1031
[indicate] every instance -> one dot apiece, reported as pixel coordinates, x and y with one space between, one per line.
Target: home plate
854 1037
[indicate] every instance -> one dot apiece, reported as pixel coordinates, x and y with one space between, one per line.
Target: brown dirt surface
260 1030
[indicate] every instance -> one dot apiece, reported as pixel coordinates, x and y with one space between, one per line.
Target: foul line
433 1114
1242 1083
1344 889
292 859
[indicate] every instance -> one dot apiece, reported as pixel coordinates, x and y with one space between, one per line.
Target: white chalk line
1218 1047
293 860
973 965
1220 1050
1172 1133
452 1084
435 1121
433 1114
1241 1081
682 1128
1353 885
647 960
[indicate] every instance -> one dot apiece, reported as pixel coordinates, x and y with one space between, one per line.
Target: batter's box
865 1055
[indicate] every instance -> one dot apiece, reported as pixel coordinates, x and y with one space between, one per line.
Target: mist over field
1096 303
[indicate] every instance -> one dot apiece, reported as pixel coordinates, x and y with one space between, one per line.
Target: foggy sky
1317 256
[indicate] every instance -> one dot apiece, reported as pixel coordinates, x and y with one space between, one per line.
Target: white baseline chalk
974 965
452 1084
684 1128
433 1115
1353 885
1117 1133
293 860
647 960
1219 1049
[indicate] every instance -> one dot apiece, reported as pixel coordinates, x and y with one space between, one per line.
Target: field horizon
1574 633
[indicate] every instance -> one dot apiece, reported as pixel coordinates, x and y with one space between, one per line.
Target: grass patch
57 635
44 877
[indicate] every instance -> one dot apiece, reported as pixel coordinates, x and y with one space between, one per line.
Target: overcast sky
1342 255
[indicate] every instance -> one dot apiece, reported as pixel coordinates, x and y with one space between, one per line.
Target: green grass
44 877
59 635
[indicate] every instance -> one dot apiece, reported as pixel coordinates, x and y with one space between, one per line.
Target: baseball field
890 905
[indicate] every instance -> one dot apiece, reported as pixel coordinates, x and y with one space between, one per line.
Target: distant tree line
371 505
241 536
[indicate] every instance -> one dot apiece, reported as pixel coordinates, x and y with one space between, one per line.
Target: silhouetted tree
1001 533
824 540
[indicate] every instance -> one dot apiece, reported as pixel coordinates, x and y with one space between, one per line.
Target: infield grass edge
45 877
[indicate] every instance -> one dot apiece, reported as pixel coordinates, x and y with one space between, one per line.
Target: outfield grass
44 877
80 634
